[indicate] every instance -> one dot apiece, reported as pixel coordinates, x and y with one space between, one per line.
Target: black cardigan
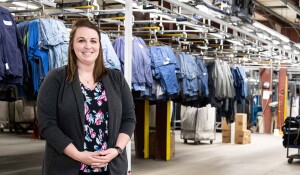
60 108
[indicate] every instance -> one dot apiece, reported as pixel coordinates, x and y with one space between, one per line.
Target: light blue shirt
54 36
110 57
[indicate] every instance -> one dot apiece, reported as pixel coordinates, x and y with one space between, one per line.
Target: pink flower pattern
96 122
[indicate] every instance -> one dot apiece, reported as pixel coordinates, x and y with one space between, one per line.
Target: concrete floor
20 155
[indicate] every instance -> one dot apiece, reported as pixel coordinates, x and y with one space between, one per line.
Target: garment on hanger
110 57
141 62
191 75
37 57
54 37
164 64
13 63
203 75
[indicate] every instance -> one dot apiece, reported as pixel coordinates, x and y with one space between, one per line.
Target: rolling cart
198 124
291 131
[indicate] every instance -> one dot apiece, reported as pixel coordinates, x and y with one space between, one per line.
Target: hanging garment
54 36
13 63
164 64
141 62
191 75
110 57
38 58
203 75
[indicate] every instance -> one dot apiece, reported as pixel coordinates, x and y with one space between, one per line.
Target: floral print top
96 122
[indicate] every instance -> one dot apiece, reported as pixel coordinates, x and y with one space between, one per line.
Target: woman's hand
105 156
90 158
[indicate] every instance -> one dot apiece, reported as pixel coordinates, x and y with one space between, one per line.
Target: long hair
99 68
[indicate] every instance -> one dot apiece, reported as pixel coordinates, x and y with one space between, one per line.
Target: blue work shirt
36 56
54 36
141 62
13 64
190 74
203 75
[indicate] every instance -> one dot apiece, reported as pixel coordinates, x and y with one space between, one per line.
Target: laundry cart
198 124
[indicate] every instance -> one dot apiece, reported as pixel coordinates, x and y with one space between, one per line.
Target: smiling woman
77 104
86 45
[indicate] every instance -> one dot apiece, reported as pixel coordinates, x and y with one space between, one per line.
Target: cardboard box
245 133
242 140
226 139
240 126
225 125
226 135
240 118
242 137
240 122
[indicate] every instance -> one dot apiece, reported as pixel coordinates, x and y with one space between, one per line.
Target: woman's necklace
87 81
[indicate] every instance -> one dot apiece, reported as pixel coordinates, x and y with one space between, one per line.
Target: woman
85 111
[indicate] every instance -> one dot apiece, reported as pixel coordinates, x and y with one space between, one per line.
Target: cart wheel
185 141
290 160
211 142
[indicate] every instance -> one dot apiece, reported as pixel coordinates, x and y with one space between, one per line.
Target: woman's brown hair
99 68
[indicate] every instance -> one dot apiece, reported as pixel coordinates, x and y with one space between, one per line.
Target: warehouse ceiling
287 9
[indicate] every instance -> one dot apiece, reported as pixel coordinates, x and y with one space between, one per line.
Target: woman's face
86 46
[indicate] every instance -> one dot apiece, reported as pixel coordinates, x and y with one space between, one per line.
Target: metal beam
291 6
264 8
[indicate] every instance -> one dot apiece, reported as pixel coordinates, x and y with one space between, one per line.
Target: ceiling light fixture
26 5
218 35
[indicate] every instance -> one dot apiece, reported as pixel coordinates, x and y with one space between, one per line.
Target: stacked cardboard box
242 135
226 131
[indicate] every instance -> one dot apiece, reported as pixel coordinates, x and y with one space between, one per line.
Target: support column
266 77
128 60
146 129
139 129
281 96
163 131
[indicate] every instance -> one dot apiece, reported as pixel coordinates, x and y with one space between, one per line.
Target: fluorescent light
26 5
235 42
18 8
218 35
3 0
276 42
272 32
287 47
156 15
247 29
297 45
296 52
264 36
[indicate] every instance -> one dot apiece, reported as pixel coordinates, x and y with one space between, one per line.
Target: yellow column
285 98
146 130
168 130
285 101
